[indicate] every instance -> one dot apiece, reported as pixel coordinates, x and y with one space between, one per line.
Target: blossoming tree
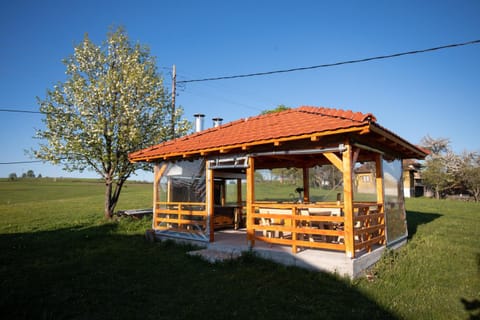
112 102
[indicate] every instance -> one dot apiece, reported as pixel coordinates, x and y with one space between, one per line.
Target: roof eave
244 146
414 150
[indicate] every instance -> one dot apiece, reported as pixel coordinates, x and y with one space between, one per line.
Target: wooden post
239 210
348 201
379 179
157 175
239 192
306 185
250 201
380 187
210 200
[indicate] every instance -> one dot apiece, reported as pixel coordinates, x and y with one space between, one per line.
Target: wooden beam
210 200
250 200
379 178
380 187
306 185
348 201
334 159
239 192
158 172
365 131
356 153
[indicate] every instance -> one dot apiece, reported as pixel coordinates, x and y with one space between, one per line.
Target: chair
272 222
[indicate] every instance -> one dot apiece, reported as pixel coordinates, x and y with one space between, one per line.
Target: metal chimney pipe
198 122
217 122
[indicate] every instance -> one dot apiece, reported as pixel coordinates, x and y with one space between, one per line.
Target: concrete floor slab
233 242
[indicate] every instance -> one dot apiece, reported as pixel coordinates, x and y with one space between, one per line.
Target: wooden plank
321 232
321 245
369 217
369 230
182 221
182 212
376 240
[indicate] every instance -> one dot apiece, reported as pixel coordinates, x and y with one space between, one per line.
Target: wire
395 55
19 111
22 162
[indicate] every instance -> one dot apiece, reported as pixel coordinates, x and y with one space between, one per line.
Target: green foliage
436 177
469 173
280 108
447 172
112 103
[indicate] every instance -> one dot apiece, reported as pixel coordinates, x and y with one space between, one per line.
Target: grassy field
60 260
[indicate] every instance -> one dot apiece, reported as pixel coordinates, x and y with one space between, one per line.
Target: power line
22 162
19 111
395 55
326 65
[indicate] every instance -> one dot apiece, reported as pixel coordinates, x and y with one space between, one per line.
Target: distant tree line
447 173
30 174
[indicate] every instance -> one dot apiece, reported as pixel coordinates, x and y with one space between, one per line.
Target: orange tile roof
287 125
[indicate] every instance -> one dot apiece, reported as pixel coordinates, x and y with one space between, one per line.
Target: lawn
60 260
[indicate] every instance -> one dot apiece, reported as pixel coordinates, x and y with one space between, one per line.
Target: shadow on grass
473 306
100 273
416 218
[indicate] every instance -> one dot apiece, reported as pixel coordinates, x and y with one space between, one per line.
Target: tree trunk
108 210
111 196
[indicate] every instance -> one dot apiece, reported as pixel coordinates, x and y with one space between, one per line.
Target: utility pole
174 84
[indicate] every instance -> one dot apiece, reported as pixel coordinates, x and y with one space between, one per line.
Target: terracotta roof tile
290 123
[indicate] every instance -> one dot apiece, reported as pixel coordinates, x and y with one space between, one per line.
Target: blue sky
435 93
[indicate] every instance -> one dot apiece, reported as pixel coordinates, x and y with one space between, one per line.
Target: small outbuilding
215 180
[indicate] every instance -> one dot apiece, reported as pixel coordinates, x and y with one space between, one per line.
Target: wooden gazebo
192 175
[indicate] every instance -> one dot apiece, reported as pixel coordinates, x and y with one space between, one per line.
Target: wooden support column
348 201
306 185
380 186
158 172
210 200
250 201
239 209
379 179
239 192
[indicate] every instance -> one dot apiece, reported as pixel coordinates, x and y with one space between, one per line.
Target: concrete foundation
229 244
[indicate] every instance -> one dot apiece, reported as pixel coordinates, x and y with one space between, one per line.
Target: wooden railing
180 216
317 225
299 225
369 225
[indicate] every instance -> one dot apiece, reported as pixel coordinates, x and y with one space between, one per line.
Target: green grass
438 273
59 259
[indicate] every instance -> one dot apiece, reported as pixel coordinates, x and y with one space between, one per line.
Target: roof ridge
338 113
